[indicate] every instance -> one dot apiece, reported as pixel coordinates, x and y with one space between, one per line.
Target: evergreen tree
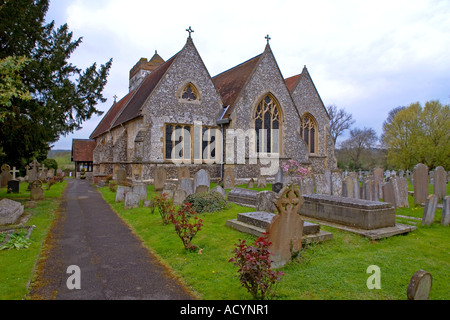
62 95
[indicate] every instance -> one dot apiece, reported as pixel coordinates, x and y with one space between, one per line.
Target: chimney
143 68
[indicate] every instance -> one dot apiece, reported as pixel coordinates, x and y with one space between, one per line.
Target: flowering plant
295 170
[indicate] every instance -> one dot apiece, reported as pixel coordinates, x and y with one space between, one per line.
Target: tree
359 142
339 121
62 95
417 134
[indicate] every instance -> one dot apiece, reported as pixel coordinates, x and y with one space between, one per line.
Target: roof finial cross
190 31
267 38
115 98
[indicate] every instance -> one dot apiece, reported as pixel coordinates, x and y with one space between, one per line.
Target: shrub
164 205
17 240
112 186
206 202
254 265
186 230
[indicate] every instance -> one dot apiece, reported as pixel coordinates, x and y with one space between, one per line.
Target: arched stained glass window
308 130
267 125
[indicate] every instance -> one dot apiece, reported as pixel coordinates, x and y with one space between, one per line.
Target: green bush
50 163
206 202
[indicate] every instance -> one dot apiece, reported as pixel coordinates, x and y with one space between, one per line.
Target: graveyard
330 263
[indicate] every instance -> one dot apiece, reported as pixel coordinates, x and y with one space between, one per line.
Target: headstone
13 172
336 184
221 191
131 200
228 179
140 189
286 228
262 182
179 196
251 184
266 200
356 186
244 197
201 178
367 189
327 180
347 188
13 186
388 193
420 176
5 175
440 185
401 192
429 210
36 193
202 189
183 172
306 185
379 178
32 170
42 174
121 192
277 186
187 185
10 211
322 187
121 175
445 221
419 286
50 173
401 173
160 178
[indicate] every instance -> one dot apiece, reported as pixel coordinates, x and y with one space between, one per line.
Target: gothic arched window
189 93
267 125
309 133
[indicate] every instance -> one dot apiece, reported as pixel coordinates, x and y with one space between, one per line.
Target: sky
366 57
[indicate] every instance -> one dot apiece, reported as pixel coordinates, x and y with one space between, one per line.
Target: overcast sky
365 56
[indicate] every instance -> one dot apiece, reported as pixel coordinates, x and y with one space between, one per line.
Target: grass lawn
334 269
16 266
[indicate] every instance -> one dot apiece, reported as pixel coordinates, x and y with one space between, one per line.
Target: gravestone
419 286
160 178
266 200
42 174
201 178
202 189
277 186
420 176
306 185
36 193
13 172
140 189
221 191
187 185
228 179
286 228
401 192
445 221
327 180
32 170
429 210
336 184
13 186
356 186
367 189
10 211
5 175
121 176
131 200
179 196
50 173
121 192
183 172
348 188
388 193
262 182
322 187
440 185
243 196
251 184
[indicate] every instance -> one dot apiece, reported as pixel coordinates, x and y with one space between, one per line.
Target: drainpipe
221 122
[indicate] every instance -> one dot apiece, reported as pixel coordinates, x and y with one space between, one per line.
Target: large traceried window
309 133
267 125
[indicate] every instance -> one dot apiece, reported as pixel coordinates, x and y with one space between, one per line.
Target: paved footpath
114 265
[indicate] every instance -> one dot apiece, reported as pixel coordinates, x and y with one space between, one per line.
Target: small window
189 93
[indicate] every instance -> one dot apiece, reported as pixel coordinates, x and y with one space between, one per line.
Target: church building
176 114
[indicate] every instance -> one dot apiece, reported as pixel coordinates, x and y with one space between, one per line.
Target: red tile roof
230 83
83 149
291 82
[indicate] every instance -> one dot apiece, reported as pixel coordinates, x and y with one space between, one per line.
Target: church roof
83 149
291 82
230 83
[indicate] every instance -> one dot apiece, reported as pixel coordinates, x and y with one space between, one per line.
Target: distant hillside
63 158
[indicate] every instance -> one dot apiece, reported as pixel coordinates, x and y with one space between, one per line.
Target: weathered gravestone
5 175
396 192
243 196
187 185
228 179
140 189
388 193
429 210
266 200
277 186
356 187
262 182
251 184
121 176
445 220
306 184
420 176
286 228
202 189
160 178
10 211
367 188
336 184
321 183
32 170
347 188
201 178
183 172
131 200
419 286
179 196
121 192
440 185
220 191
36 193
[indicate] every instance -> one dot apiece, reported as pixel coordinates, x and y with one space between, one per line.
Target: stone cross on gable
14 171
115 98
267 38
190 31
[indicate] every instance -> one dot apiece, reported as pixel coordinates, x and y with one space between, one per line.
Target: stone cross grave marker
14 171
419 286
286 228
420 176
429 210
